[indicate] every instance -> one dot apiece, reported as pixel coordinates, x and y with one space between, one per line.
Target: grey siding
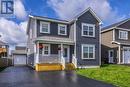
30 43
53 30
117 36
125 25
87 18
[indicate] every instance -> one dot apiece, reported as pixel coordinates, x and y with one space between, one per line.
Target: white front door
66 53
126 55
110 56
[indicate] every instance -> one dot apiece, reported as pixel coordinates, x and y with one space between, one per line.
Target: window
123 34
44 27
46 49
62 29
88 51
88 30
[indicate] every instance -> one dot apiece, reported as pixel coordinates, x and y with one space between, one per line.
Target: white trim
124 29
75 38
100 45
93 66
92 12
48 23
118 28
113 34
89 25
49 19
49 49
121 31
59 29
88 45
35 28
119 48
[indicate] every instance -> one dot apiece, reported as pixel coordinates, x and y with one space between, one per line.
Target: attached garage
20 59
126 55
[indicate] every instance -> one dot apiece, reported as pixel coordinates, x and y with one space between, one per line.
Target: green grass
2 68
118 75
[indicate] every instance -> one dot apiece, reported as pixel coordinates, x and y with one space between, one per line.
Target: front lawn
118 75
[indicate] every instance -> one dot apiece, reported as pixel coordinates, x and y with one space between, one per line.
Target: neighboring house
59 44
19 56
4 50
116 42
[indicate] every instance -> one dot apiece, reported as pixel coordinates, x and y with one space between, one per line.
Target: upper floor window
88 30
88 51
123 34
44 27
62 29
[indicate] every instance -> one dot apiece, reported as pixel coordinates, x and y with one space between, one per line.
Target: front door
126 55
66 53
110 56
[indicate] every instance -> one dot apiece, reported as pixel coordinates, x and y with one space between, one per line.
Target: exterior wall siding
125 25
117 36
106 45
53 29
87 18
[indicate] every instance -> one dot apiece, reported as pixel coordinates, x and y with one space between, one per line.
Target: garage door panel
19 59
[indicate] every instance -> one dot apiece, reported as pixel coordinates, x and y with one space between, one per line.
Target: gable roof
65 21
114 25
91 11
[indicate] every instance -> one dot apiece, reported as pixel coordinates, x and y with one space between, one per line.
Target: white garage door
126 55
19 59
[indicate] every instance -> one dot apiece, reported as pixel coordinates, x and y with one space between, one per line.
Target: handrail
74 61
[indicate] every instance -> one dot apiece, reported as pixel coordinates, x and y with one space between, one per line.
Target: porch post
37 53
62 50
119 48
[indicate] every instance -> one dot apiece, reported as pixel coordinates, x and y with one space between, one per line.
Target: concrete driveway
22 76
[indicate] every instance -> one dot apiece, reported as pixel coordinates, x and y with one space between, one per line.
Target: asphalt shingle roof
114 25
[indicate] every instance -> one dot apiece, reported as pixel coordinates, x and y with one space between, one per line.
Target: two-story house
55 44
116 42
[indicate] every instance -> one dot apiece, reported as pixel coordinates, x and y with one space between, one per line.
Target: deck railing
53 58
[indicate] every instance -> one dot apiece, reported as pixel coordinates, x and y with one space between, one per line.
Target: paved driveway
22 76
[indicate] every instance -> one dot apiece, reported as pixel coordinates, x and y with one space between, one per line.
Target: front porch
54 56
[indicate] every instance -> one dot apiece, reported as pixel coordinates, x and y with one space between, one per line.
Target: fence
4 62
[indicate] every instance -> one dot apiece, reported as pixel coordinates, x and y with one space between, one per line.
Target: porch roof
121 42
50 39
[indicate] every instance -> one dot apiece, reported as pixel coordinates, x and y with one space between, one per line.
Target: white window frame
59 29
89 25
88 45
121 31
43 50
41 22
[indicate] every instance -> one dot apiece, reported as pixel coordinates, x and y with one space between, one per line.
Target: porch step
48 67
69 66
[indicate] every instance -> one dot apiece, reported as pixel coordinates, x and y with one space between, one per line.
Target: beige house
116 43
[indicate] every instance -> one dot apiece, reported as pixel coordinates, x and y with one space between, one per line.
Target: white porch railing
74 61
53 58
